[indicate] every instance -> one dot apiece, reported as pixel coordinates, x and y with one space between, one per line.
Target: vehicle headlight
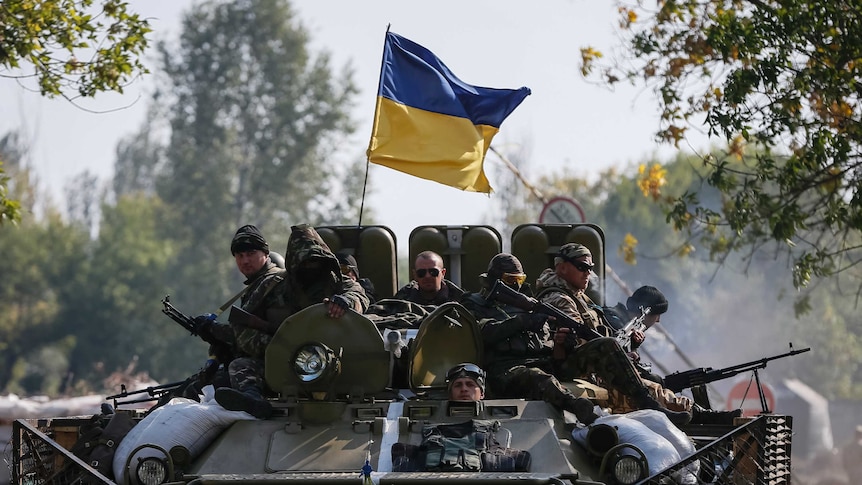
628 469
314 361
152 471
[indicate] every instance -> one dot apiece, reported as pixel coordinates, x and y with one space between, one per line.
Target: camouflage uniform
602 358
517 353
312 275
448 292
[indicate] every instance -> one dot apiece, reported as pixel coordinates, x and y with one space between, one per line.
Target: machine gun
504 294
624 335
184 320
220 348
678 381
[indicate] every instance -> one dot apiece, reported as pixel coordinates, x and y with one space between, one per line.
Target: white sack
182 422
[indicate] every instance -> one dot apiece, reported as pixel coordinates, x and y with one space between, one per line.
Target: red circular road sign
749 402
562 210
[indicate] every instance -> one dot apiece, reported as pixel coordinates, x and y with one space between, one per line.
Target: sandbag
180 422
660 452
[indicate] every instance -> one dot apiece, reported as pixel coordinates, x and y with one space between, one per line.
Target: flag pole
373 127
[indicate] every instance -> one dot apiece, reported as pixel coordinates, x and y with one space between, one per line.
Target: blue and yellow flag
429 123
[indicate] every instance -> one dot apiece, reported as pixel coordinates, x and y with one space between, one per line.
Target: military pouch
506 460
405 457
99 439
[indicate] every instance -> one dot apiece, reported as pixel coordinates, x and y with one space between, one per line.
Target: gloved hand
204 324
205 376
341 301
533 321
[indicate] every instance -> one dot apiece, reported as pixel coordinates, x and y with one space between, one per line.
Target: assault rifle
624 335
241 317
678 381
504 294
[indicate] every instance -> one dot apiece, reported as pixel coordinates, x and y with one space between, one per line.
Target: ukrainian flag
429 123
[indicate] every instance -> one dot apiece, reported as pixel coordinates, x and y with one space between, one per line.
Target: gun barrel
694 377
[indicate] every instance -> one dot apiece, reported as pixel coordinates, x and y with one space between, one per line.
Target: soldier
563 287
351 270
429 286
254 260
649 297
644 298
312 276
466 382
518 345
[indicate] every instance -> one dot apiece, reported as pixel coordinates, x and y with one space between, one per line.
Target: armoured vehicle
356 400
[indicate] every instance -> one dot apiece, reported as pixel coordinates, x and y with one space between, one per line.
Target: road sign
562 210
750 402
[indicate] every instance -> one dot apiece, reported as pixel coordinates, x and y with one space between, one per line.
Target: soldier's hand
638 337
634 357
561 336
337 305
205 376
204 324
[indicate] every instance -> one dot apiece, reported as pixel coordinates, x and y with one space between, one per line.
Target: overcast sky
566 122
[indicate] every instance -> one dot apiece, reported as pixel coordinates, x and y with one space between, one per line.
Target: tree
253 119
11 152
779 82
73 52
717 318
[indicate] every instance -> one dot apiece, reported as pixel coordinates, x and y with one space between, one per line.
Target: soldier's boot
644 401
249 400
582 408
700 415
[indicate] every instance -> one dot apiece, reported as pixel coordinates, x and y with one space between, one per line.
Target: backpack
98 440
470 446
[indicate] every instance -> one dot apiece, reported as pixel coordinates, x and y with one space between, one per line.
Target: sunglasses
582 266
432 271
346 269
513 278
471 370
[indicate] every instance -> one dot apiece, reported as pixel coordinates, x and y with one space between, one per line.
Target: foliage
74 50
72 46
252 118
717 318
781 78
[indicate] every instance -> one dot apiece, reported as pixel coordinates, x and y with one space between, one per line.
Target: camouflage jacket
258 295
448 292
506 338
312 274
554 291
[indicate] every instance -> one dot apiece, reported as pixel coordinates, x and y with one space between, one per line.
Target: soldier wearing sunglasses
429 285
518 344
563 287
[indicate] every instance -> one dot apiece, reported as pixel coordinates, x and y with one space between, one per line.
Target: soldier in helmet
466 382
563 287
518 345
312 275
429 286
